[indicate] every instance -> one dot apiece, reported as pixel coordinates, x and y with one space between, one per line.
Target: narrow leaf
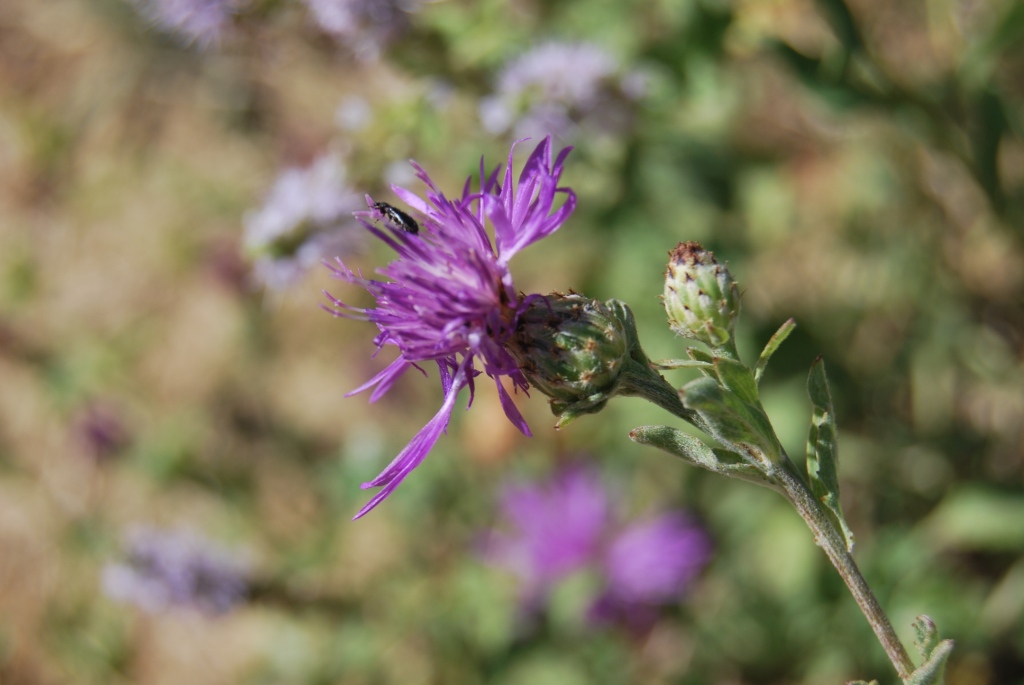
933 652
698 355
773 344
927 635
931 672
679 443
742 427
693 450
737 379
680 364
823 450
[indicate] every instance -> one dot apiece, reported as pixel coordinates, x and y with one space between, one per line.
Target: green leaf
698 355
680 364
927 635
737 379
691 449
773 344
823 450
973 518
933 652
742 427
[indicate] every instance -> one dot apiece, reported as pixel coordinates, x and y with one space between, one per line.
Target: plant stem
829 539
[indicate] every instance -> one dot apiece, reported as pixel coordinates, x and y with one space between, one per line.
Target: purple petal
414 453
511 410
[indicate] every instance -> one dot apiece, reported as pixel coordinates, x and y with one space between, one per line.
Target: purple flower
449 297
305 219
364 26
652 560
99 431
559 529
557 86
166 569
199 21
565 526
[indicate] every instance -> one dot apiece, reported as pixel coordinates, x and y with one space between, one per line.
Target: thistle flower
558 528
449 297
364 26
701 298
651 562
199 21
555 87
573 350
166 569
566 525
304 220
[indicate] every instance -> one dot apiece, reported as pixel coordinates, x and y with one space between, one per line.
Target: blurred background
173 171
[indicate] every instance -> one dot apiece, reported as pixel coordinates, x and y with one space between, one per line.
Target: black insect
397 217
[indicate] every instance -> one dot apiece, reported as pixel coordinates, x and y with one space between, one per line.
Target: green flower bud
573 349
701 298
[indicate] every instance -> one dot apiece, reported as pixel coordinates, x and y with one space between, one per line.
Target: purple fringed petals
413 454
449 296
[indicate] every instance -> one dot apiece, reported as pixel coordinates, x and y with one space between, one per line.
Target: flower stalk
831 541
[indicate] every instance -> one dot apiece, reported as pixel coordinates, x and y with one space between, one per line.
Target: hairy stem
829 539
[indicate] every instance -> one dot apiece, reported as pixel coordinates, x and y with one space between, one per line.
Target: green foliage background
859 165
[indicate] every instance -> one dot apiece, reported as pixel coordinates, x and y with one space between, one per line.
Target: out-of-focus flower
559 529
450 298
565 526
164 569
353 114
99 431
556 87
200 21
365 27
650 563
306 218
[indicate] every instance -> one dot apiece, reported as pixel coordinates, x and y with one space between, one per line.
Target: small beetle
397 217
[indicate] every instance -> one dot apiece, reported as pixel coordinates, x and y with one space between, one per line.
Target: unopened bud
573 349
701 298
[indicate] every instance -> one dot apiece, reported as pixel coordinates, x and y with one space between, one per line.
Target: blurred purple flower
99 431
165 569
559 529
650 561
365 27
557 86
565 525
450 298
199 21
305 219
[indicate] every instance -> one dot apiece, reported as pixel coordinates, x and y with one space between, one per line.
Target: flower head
555 87
573 350
364 26
199 21
558 529
305 219
701 298
449 298
566 525
166 569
